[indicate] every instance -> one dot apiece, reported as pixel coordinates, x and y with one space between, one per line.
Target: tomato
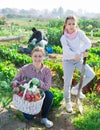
20 93
29 99
27 96
32 97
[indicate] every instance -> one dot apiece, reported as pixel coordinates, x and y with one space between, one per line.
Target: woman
37 70
74 44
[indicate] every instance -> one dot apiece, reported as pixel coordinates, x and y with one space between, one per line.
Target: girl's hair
38 49
69 17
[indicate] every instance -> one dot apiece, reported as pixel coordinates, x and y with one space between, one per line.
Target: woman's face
71 25
37 57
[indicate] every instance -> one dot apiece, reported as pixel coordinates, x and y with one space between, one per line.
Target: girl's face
71 25
37 58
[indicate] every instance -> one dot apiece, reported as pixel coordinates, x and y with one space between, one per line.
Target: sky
85 5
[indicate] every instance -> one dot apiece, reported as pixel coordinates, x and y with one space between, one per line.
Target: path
12 121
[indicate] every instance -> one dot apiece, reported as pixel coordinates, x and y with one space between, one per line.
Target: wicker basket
26 106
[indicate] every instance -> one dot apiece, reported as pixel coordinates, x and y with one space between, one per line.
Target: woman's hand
14 83
16 90
17 83
77 57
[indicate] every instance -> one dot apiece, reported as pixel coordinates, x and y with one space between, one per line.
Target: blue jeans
47 103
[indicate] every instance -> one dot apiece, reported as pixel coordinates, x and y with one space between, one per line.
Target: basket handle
26 89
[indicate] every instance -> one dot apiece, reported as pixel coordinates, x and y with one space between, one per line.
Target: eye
73 23
69 23
40 56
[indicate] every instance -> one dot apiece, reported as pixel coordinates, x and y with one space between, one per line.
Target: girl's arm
67 52
86 42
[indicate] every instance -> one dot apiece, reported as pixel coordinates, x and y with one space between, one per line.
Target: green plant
58 97
91 117
89 121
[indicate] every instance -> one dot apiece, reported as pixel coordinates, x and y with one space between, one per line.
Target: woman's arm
46 84
19 78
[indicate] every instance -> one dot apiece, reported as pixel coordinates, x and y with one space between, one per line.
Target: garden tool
78 101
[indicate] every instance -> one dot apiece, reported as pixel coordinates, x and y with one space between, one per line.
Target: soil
12 119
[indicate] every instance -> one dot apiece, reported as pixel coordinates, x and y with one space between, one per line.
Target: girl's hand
77 57
85 54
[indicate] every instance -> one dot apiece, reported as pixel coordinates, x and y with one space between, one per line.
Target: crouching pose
37 70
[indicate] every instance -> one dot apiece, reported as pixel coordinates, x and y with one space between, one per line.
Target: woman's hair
38 49
69 17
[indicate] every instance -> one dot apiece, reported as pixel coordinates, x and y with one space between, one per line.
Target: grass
29 22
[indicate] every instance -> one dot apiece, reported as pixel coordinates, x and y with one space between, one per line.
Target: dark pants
45 108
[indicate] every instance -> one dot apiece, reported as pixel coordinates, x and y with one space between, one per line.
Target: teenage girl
74 44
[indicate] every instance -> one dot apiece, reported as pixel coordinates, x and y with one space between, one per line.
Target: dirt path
13 121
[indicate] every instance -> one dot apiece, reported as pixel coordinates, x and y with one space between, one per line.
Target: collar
72 35
43 66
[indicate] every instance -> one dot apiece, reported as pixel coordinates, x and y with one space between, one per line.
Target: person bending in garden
37 39
37 70
74 44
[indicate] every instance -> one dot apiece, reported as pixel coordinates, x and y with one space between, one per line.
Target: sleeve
67 52
20 75
86 42
31 38
46 84
39 36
